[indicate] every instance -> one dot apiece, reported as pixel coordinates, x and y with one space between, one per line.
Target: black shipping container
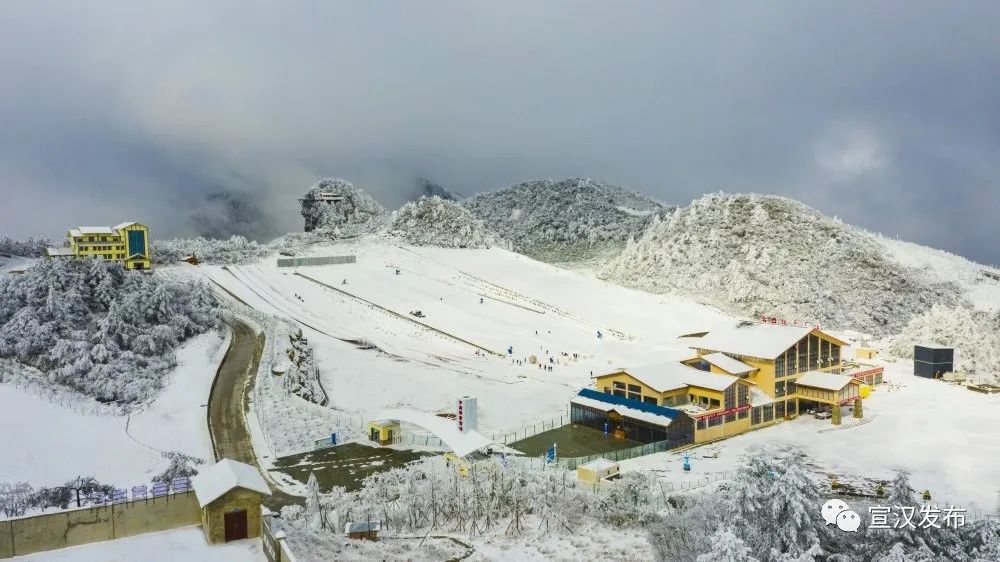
933 354
931 370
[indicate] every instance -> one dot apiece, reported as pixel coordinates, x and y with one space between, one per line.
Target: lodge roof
728 364
662 377
825 381
766 341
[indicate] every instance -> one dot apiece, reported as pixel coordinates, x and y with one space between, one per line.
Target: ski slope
476 304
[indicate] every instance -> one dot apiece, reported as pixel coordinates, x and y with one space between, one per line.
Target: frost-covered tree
93 327
794 508
313 515
727 546
974 334
564 220
28 247
433 221
180 465
334 202
754 254
15 498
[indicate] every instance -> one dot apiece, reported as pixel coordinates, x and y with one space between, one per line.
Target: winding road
229 403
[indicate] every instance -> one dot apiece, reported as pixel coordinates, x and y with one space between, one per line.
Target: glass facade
136 242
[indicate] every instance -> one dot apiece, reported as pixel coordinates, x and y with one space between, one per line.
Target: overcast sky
886 114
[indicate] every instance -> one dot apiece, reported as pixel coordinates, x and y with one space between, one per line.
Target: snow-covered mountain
766 255
335 203
433 221
564 220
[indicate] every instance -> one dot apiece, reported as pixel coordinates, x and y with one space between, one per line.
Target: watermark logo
837 512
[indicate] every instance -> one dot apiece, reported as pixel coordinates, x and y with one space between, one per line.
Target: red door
236 525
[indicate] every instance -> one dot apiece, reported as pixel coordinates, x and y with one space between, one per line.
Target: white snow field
55 443
945 435
459 346
185 544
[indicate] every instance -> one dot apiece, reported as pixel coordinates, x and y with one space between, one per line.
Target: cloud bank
212 117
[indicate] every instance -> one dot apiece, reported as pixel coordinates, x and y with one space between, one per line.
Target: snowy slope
56 443
430 361
565 220
186 543
765 255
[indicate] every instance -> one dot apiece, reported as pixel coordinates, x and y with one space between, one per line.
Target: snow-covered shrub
765 255
302 376
974 334
96 328
626 503
564 220
352 205
233 251
180 465
28 247
16 498
433 221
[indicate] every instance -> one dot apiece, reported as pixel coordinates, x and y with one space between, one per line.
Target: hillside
345 206
566 220
433 221
91 326
755 255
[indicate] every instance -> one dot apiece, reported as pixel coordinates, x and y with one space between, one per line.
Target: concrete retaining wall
81 526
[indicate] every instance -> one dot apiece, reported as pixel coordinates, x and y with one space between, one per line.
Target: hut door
236 525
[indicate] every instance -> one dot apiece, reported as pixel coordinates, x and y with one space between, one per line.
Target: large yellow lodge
126 243
741 378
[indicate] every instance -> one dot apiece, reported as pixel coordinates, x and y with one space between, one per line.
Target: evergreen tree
794 508
727 546
313 504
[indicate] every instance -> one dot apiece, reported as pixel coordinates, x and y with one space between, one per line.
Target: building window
136 242
620 385
607 390
768 412
649 399
730 418
713 403
701 423
619 392
779 409
634 388
779 389
743 415
755 417
790 387
692 399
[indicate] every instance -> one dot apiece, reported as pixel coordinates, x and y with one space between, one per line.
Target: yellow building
126 243
383 432
597 470
741 378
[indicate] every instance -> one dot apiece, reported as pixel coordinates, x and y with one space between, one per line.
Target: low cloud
872 112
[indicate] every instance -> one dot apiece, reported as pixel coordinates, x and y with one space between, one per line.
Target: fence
530 430
571 463
421 440
273 542
325 260
104 522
